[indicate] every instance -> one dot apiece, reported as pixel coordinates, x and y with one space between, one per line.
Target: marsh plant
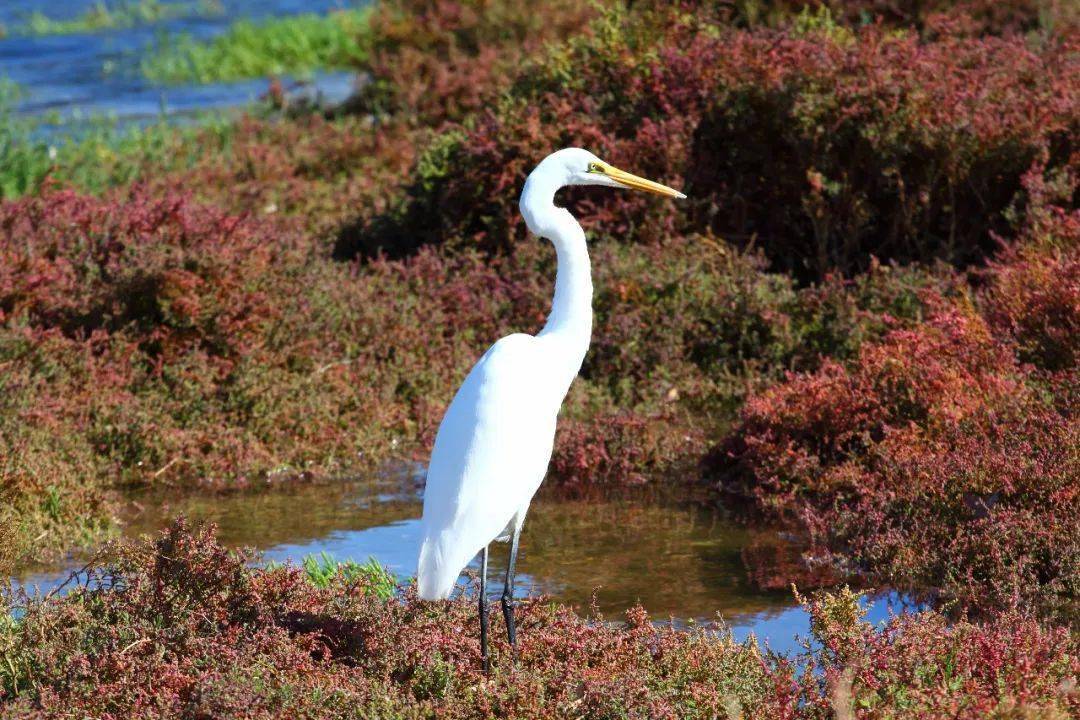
295 45
93 153
106 15
234 640
863 326
323 570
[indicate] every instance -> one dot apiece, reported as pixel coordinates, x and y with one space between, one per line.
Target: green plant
11 662
323 569
300 44
95 153
24 161
116 14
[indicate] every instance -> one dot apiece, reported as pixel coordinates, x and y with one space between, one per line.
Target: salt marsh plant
295 45
216 637
232 301
116 15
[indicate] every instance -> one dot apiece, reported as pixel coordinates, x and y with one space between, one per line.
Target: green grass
296 45
108 154
93 155
23 162
322 569
116 15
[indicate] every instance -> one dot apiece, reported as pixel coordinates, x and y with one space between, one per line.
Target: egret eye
596 168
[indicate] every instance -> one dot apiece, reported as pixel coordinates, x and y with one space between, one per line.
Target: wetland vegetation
862 330
295 45
106 15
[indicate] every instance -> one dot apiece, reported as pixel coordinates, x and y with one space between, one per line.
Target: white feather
490 456
494 444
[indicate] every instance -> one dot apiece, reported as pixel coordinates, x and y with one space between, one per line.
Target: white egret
494 443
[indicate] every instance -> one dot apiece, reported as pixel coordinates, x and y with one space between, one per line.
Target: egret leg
484 612
508 590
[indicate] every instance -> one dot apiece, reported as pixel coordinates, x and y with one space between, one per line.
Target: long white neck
571 308
570 321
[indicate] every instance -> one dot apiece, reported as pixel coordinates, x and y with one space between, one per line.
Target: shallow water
680 562
97 73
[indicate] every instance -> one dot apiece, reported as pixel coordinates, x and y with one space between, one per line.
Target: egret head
574 166
581 167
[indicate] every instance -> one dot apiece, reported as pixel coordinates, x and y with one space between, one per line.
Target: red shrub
615 451
821 148
176 274
318 172
973 17
184 628
976 17
930 461
1034 292
923 666
204 334
441 61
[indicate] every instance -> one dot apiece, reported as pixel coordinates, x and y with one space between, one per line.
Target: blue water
680 562
97 73
780 627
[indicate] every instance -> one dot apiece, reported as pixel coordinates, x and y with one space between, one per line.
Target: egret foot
508 615
508 591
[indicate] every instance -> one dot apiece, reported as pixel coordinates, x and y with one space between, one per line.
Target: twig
336 363
140 641
75 574
166 466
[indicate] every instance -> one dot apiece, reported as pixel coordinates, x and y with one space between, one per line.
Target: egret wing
490 456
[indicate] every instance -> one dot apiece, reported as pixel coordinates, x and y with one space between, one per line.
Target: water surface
96 73
680 561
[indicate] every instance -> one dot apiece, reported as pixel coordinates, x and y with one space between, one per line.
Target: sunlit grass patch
296 45
116 15
92 154
323 568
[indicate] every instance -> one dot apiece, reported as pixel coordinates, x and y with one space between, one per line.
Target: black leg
484 613
508 591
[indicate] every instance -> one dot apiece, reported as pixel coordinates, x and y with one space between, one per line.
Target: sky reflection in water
94 74
679 562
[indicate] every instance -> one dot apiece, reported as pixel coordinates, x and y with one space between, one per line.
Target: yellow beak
633 181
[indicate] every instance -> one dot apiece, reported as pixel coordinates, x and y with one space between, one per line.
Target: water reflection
675 560
97 73
678 561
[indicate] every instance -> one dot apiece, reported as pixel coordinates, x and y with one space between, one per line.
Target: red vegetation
203 327
433 62
821 145
1034 287
923 666
318 172
167 270
976 17
152 339
936 457
183 627
152 301
616 451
